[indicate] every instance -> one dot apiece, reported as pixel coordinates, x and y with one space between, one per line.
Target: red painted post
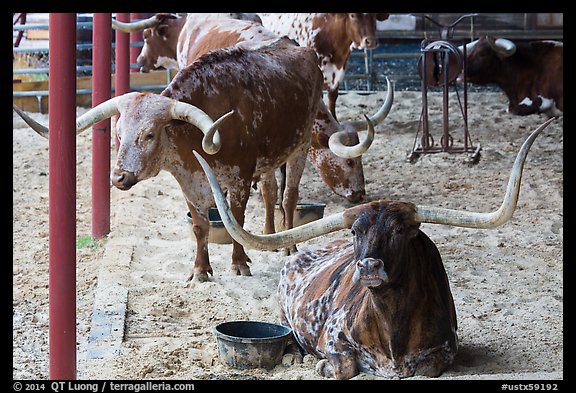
62 195
122 57
135 37
122 84
101 91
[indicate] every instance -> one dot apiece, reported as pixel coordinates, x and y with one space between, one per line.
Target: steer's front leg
340 362
238 200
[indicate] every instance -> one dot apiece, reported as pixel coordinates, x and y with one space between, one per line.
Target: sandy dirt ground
507 282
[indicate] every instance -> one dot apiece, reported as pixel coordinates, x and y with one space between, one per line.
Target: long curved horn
345 219
469 46
337 141
211 143
334 222
502 46
39 128
100 112
131 27
338 146
178 110
379 116
437 215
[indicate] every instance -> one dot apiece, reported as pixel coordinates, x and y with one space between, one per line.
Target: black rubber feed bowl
251 344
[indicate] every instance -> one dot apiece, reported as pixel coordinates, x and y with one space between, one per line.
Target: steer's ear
146 33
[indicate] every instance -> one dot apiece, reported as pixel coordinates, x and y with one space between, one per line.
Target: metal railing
87 69
372 60
368 75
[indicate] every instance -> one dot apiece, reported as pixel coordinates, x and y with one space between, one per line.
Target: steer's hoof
241 270
291 358
291 250
200 276
324 368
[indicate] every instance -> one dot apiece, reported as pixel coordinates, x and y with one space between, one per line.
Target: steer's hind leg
294 169
238 200
200 229
269 190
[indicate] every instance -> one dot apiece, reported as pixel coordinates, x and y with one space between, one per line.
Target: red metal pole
101 91
122 61
62 195
135 37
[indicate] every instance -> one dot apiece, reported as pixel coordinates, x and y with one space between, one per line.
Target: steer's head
336 149
160 43
361 28
382 231
484 58
344 175
142 131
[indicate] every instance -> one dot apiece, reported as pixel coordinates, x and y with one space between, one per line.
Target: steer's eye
148 136
350 162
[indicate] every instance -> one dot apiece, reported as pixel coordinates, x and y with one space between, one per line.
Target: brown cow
332 36
382 304
531 74
273 89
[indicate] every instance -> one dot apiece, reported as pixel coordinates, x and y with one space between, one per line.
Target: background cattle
382 304
161 32
200 33
531 74
332 36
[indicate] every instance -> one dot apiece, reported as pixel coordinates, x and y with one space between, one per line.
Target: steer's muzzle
369 43
355 196
123 180
370 272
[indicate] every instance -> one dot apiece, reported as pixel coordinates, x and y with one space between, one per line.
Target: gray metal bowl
251 344
304 213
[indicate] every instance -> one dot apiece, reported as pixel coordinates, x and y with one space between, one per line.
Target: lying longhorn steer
269 95
382 304
531 74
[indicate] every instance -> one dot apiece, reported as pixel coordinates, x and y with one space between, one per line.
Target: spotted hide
380 305
332 36
163 36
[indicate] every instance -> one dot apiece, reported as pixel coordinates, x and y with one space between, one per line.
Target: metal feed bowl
251 344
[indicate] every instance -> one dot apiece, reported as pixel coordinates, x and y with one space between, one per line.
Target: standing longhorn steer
342 173
332 36
382 304
531 74
270 94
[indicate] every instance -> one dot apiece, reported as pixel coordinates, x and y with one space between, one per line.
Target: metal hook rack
440 65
